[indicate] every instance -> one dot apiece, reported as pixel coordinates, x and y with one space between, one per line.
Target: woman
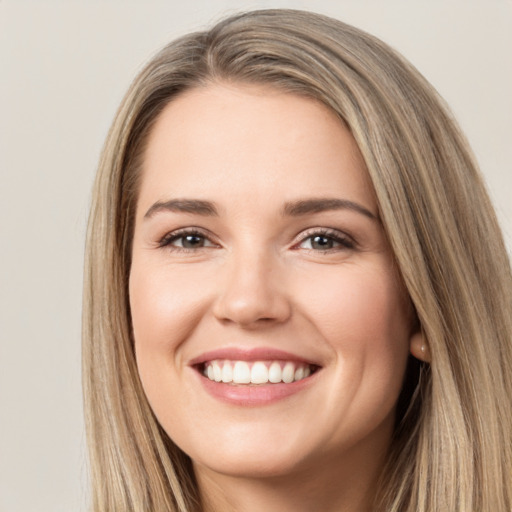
297 295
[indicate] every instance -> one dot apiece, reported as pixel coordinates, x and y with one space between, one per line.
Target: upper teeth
257 372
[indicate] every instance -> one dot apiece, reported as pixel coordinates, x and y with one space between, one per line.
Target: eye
186 240
326 241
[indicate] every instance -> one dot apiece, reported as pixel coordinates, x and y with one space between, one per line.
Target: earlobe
419 347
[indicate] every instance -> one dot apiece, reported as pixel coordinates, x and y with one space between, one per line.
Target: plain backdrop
64 67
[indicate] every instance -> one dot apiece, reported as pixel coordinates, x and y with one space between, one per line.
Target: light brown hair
452 449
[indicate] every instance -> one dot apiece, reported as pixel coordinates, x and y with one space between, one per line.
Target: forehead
254 140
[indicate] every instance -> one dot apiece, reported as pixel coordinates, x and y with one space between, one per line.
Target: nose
252 295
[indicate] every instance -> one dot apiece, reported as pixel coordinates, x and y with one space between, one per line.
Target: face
271 329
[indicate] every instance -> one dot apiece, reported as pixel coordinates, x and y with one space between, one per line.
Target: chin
259 464
272 452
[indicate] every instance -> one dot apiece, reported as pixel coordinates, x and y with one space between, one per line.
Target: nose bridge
250 294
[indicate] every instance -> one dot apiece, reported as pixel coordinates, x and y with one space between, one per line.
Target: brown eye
326 242
322 242
190 241
186 240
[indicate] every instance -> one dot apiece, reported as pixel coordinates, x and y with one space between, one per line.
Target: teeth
227 373
217 373
257 372
275 373
241 373
288 373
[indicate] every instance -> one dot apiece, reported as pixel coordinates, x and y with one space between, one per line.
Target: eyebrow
290 209
195 206
308 206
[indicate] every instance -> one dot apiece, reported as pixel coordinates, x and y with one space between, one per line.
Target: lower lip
254 395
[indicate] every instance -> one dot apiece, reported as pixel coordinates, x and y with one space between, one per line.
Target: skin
254 278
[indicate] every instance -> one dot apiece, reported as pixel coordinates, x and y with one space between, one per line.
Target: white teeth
227 373
258 372
241 373
288 372
275 373
217 372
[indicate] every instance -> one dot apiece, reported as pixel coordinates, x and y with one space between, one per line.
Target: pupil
191 241
321 242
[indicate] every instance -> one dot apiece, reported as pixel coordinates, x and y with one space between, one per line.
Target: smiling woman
281 317
288 302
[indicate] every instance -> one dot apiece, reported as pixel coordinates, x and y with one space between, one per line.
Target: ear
419 347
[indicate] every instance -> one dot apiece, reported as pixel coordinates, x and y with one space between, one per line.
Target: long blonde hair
452 449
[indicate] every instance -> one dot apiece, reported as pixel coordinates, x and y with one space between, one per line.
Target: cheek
371 337
363 315
165 307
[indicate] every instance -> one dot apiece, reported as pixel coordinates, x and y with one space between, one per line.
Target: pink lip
246 395
253 354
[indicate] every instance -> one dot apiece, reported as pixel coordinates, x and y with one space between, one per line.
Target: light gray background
64 67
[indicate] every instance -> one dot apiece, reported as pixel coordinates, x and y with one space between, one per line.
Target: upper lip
252 354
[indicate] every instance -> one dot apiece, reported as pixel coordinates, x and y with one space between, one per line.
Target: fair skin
257 240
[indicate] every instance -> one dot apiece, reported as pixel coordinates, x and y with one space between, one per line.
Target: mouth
254 373
254 377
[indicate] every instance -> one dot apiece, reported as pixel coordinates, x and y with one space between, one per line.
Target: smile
256 372
254 377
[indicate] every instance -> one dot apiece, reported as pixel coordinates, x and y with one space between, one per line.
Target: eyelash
168 239
345 242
